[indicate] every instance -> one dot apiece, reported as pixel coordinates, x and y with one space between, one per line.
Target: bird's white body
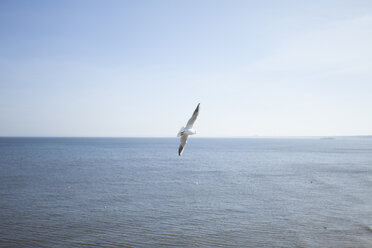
189 131
186 131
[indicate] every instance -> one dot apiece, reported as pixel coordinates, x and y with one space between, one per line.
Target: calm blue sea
137 192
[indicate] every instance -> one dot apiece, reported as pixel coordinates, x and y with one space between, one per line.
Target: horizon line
201 137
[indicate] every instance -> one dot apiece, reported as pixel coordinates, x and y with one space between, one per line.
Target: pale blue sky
139 68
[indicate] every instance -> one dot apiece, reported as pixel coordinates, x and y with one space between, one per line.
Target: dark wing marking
182 144
180 149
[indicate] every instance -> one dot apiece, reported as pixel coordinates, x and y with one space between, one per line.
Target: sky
139 68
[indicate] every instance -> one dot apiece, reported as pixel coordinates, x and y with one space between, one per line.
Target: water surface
137 192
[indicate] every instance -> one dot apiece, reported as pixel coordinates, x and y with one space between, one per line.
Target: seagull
186 131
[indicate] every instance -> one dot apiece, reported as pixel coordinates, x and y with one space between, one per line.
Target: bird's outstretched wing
182 144
190 123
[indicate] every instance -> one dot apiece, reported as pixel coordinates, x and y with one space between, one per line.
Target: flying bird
186 131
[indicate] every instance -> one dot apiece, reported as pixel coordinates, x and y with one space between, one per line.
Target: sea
222 192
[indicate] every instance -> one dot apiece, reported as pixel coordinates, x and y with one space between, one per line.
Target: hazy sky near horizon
139 68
